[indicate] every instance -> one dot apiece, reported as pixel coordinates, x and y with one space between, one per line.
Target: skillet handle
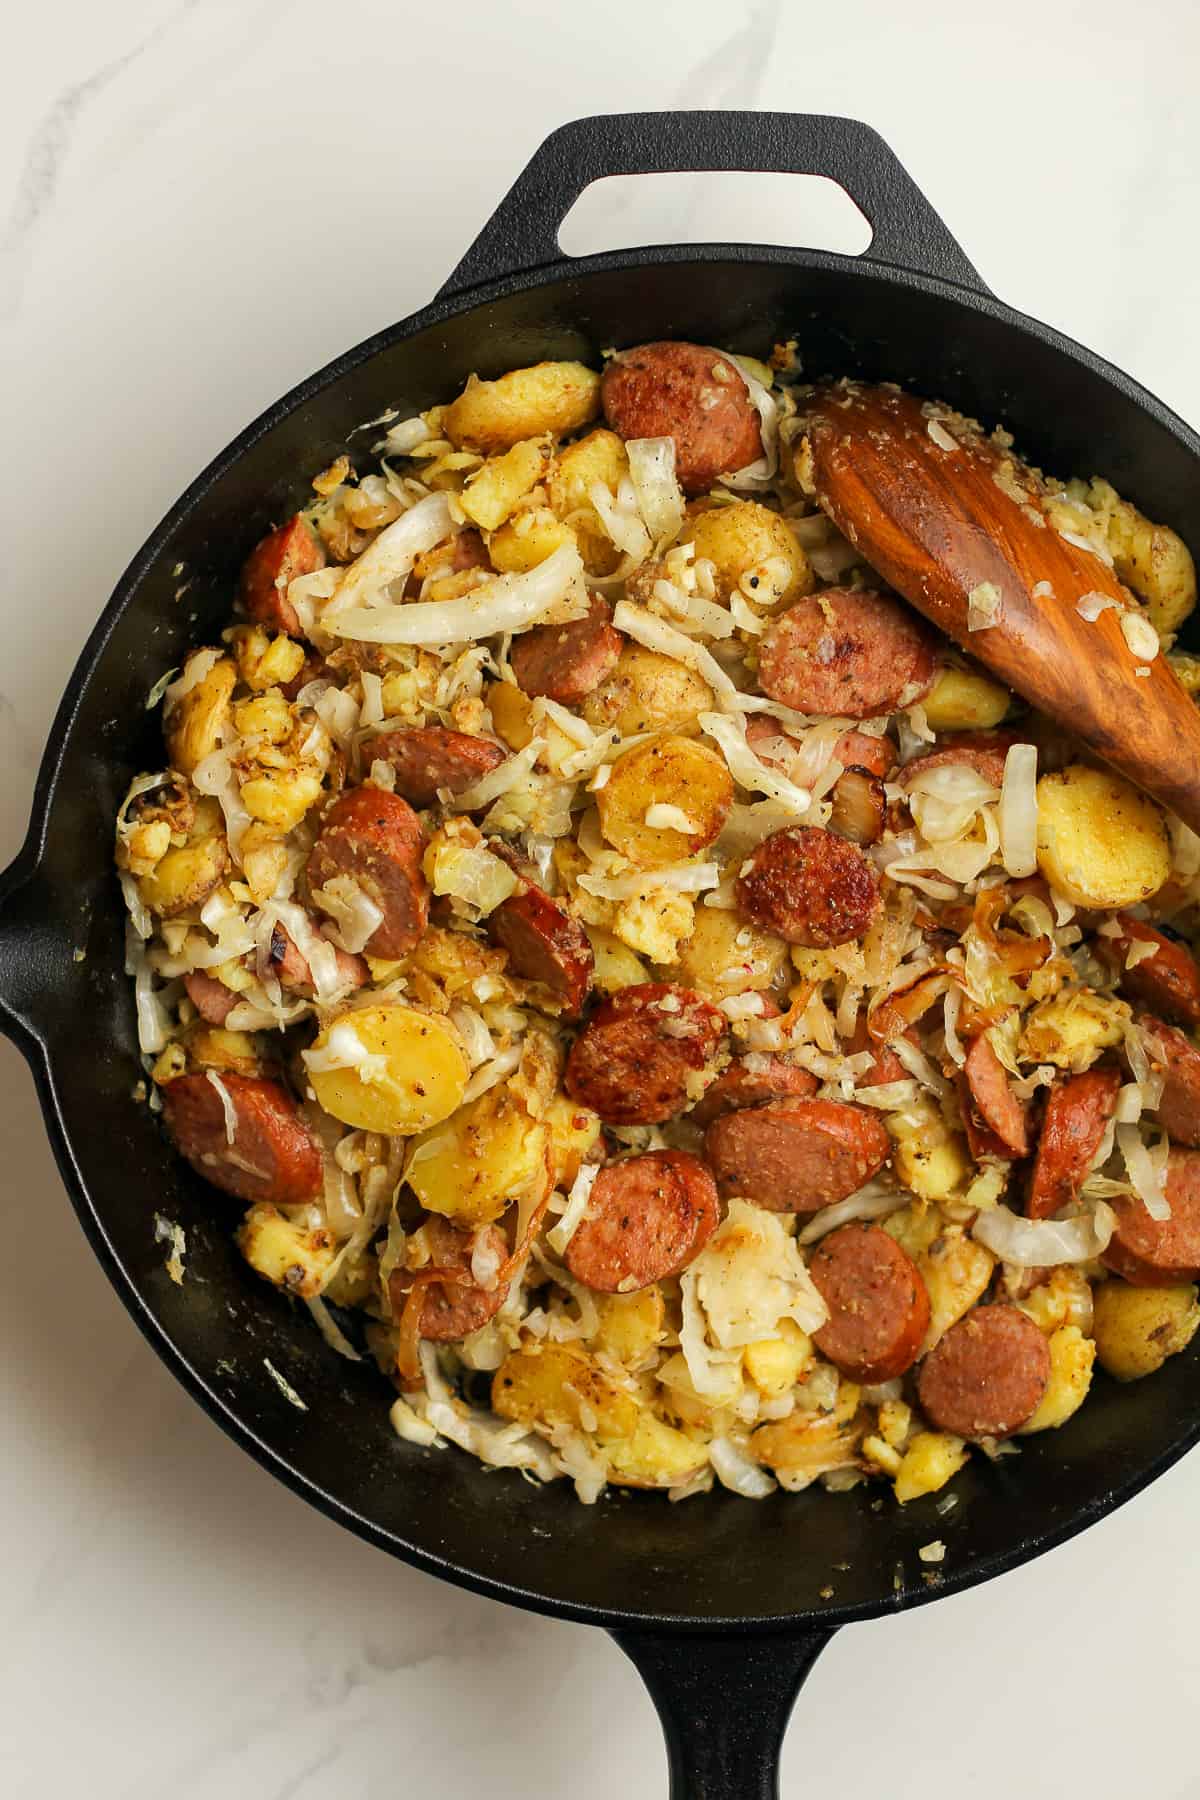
28 950
724 1702
522 233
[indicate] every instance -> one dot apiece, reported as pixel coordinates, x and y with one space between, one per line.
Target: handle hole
621 211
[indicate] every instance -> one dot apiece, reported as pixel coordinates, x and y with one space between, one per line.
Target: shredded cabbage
501 603
560 1235
1045 1243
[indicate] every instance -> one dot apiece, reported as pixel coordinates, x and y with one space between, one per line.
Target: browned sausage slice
983 751
688 393
808 887
291 969
1178 1109
986 1377
273 1155
280 558
375 838
886 1067
770 1078
565 662
648 1217
545 944
847 651
878 1303
998 1106
431 757
873 754
1076 1115
796 1155
211 999
452 1309
1168 981
644 1054
1153 1253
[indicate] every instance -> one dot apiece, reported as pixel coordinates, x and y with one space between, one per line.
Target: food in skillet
650 990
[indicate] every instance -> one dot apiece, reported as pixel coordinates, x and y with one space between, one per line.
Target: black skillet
721 1603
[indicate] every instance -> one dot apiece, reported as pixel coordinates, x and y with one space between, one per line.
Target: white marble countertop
208 199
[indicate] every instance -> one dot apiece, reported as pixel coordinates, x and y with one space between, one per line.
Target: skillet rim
26 864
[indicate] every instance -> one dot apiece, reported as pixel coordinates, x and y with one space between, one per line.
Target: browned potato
723 956
754 549
554 1384
664 800
648 692
192 725
552 397
1100 841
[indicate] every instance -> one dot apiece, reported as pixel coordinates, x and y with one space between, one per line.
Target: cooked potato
631 1325
1137 1328
805 1444
551 397
1100 841
388 1068
656 1456
267 716
754 549
706 1414
931 1160
556 1384
494 492
513 720
677 773
192 725
723 956
184 878
965 700
291 1256
281 797
264 860
1151 559
648 692
655 924
598 457
914 1227
930 1461
956 1271
775 1364
1072 1029
524 542
616 965
488 1155
1071 1359
212 1047
573 1130
1187 671
1063 1298
264 661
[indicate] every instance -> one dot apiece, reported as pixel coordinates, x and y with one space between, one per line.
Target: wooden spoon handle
958 527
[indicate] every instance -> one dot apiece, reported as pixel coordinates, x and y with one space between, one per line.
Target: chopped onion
984 606
1140 635
139 914
621 519
1045 1243
560 1235
153 1020
662 816
656 634
1144 1178
402 438
504 603
1090 606
372 701
486 1259
214 775
748 769
736 1471
919 1065
477 1039
492 1072
1018 811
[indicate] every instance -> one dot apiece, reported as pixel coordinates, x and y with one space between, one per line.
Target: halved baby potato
388 1068
664 800
648 691
965 700
474 1166
1101 843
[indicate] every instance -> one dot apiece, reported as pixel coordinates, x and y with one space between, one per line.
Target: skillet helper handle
27 951
724 1702
522 233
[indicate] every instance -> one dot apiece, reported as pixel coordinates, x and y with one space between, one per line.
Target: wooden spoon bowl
955 524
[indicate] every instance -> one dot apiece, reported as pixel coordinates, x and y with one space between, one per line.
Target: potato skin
752 548
1100 841
648 692
667 770
492 416
1137 1328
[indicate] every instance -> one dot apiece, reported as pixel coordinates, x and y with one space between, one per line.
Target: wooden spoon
945 515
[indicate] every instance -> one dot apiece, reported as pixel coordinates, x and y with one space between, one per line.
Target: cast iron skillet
719 1602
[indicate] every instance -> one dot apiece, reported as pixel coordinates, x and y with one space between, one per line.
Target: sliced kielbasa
291 551
291 970
808 887
886 1066
451 1309
432 757
986 1377
566 662
740 1085
1178 1109
848 652
1001 1112
1168 982
878 1303
644 1054
273 1155
983 751
647 1217
1077 1112
211 999
545 944
374 838
693 395
1160 1252
796 1155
